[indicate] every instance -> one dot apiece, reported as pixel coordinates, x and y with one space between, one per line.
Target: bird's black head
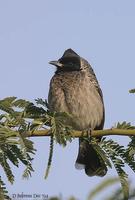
70 61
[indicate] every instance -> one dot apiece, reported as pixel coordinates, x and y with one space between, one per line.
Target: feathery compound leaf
61 132
50 157
11 155
26 148
26 145
42 102
124 125
132 91
19 154
28 170
123 179
3 191
15 153
8 100
34 111
114 151
102 154
131 147
6 132
5 105
6 167
21 103
129 155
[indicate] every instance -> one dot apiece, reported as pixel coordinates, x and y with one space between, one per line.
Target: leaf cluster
119 156
14 148
19 116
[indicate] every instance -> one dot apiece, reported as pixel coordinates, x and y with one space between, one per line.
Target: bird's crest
69 53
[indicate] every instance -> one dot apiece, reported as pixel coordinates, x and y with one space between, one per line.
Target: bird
74 89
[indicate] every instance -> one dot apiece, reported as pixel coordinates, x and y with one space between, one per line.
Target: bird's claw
89 133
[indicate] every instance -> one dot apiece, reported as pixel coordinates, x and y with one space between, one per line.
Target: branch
122 132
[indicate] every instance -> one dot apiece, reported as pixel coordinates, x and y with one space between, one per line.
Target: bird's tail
89 160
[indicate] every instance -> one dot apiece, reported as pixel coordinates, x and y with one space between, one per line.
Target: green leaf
132 91
114 151
124 125
42 102
6 167
102 154
3 191
27 171
50 157
21 103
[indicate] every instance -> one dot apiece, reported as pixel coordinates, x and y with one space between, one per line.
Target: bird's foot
89 134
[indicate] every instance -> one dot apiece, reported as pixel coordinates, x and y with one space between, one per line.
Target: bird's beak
56 63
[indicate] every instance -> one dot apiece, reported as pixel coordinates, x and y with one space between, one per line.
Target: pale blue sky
34 32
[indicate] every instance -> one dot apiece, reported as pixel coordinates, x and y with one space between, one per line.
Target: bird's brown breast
75 93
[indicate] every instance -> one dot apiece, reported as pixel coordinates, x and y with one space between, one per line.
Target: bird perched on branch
74 89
